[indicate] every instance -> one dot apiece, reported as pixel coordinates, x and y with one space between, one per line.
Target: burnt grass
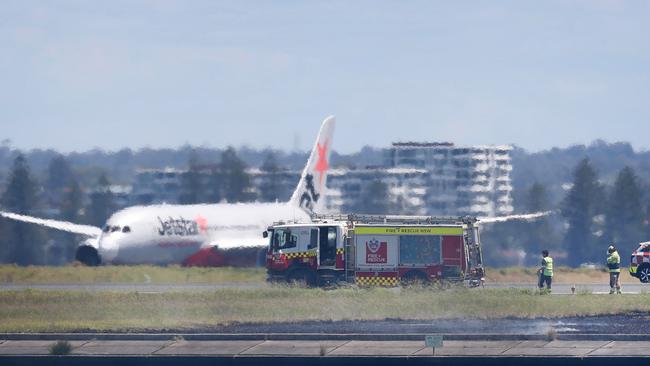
598 324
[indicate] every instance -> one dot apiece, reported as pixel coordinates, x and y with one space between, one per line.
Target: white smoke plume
527 217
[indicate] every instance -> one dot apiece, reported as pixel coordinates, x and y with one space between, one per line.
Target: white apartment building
473 180
418 178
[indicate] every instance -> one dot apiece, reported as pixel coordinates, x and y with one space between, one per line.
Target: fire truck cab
311 253
375 250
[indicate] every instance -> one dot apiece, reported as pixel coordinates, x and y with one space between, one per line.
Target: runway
584 288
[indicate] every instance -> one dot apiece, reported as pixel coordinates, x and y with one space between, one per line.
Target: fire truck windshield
283 239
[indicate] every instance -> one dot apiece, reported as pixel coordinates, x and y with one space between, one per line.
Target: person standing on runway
614 266
545 272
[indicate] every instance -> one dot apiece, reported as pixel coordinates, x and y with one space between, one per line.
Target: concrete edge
314 337
301 360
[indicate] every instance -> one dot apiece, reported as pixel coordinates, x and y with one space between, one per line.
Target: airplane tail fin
310 192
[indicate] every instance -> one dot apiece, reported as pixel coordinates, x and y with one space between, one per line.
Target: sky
77 75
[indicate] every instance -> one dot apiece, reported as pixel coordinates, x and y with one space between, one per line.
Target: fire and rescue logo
376 251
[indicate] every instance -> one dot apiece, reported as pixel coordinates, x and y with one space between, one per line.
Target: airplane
197 234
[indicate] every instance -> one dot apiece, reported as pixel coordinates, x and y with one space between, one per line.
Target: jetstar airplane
196 234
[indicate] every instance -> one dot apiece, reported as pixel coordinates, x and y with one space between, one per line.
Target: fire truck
375 250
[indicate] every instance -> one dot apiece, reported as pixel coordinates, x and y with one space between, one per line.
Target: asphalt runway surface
558 289
565 289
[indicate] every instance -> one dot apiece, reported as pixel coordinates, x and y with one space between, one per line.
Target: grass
60 348
562 275
51 311
551 334
12 274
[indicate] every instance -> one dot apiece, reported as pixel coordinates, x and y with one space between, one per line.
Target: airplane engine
88 255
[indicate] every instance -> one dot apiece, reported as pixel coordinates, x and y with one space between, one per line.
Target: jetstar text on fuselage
180 226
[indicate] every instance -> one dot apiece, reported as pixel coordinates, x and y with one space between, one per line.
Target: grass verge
562 275
50 311
12 274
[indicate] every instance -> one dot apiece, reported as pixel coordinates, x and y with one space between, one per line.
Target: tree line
24 243
590 217
60 196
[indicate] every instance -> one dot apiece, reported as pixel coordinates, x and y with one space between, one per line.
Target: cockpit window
115 228
107 228
126 229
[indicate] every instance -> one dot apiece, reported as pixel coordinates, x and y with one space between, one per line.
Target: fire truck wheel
302 277
644 273
415 278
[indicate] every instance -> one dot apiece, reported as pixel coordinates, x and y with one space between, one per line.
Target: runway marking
511 347
164 346
597 348
255 345
337 347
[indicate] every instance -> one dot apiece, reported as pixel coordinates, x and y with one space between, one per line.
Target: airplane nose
108 247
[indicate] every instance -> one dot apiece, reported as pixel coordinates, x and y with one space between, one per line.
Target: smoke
91 231
526 217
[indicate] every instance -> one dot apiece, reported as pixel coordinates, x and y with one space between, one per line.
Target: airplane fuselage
167 234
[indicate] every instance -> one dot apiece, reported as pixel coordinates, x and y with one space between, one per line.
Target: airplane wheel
88 256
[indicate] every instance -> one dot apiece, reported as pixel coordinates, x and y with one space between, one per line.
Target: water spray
526 217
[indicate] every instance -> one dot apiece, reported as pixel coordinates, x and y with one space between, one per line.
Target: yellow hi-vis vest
614 262
548 269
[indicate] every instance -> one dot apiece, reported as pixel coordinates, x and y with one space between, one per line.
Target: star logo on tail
322 165
202 222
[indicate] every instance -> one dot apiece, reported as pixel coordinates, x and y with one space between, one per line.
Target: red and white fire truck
375 250
640 262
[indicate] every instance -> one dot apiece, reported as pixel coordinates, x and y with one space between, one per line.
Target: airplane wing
86 230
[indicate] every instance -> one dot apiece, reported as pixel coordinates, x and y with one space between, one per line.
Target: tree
101 202
538 234
63 194
236 182
191 185
215 185
58 179
270 188
624 215
71 205
24 241
72 211
537 198
581 205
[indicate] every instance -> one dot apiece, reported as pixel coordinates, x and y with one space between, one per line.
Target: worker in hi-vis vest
614 266
546 271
